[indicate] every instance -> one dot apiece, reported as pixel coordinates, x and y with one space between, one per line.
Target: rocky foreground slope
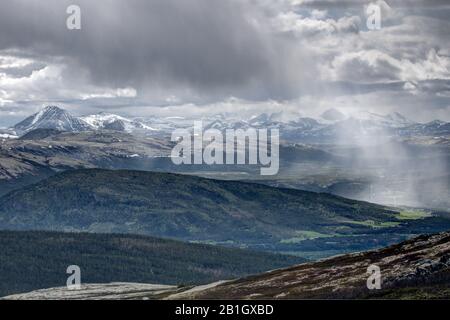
417 268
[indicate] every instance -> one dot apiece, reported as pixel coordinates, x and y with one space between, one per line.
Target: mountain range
331 127
391 169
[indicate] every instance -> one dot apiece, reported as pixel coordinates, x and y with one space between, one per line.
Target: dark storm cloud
184 54
22 71
206 47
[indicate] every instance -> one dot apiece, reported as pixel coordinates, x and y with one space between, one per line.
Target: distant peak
394 119
437 122
52 108
333 115
52 117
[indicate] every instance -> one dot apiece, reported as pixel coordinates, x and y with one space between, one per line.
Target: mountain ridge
51 117
292 129
151 189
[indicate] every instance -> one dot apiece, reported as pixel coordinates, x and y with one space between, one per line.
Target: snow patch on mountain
393 120
52 117
105 120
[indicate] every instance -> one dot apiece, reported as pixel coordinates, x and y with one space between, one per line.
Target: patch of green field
301 235
375 224
213 242
413 215
315 255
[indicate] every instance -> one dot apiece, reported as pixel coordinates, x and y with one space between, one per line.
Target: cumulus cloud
315 25
376 66
26 79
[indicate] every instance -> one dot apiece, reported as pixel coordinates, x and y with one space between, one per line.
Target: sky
176 58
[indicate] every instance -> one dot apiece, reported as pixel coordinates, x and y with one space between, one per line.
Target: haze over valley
382 159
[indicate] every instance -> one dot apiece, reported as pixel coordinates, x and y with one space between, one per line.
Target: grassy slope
32 260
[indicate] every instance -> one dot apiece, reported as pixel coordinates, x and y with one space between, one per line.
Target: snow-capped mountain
110 121
335 128
261 119
433 128
393 120
52 117
273 119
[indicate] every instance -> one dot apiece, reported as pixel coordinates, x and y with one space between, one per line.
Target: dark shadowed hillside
178 206
35 260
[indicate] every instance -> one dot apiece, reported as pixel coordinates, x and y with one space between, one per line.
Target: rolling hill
41 153
178 206
211 211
